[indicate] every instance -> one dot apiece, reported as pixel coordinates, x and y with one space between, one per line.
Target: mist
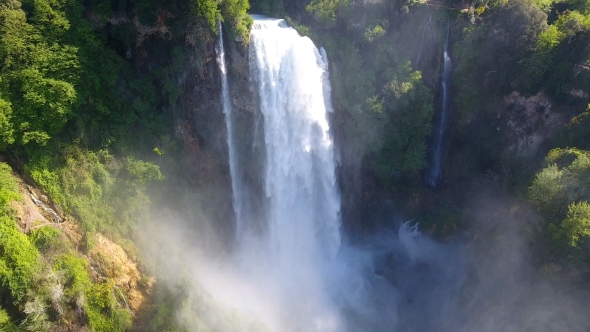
398 279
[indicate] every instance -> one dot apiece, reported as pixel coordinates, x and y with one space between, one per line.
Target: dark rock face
249 128
174 50
200 125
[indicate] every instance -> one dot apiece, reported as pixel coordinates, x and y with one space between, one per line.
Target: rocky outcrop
109 260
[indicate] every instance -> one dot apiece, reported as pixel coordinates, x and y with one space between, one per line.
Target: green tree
38 75
19 263
576 224
235 13
577 132
564 181
573 50
326 9
6 131
208 10
407 104
583 6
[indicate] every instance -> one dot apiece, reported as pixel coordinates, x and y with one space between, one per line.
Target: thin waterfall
236 183
435 171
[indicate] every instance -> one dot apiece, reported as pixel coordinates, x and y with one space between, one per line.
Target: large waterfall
435 171
303 201
288 260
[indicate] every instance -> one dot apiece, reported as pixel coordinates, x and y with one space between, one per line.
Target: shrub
8 186
565 180
576 225
75 272
577 132
45 238
5 323
103 316
37 319
97 300
104 193
19 261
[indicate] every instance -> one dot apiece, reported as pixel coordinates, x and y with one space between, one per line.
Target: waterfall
287 261
435 173
236 183
290 75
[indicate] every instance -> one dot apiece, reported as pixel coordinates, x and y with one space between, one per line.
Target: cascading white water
302 214
236 182
435 172
283 272
303 201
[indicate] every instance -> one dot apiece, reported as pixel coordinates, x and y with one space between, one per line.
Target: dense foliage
561 192
537 48
80 82
44 281
498 48
384 106
105 193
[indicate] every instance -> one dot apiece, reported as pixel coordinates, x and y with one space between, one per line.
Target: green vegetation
534 55
576 225
47 238
19 262
407 105
19 259
98 299
82 85
8 187
561 192
384 107
531 47
241 22
107 194
326 9
577 132
36 290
